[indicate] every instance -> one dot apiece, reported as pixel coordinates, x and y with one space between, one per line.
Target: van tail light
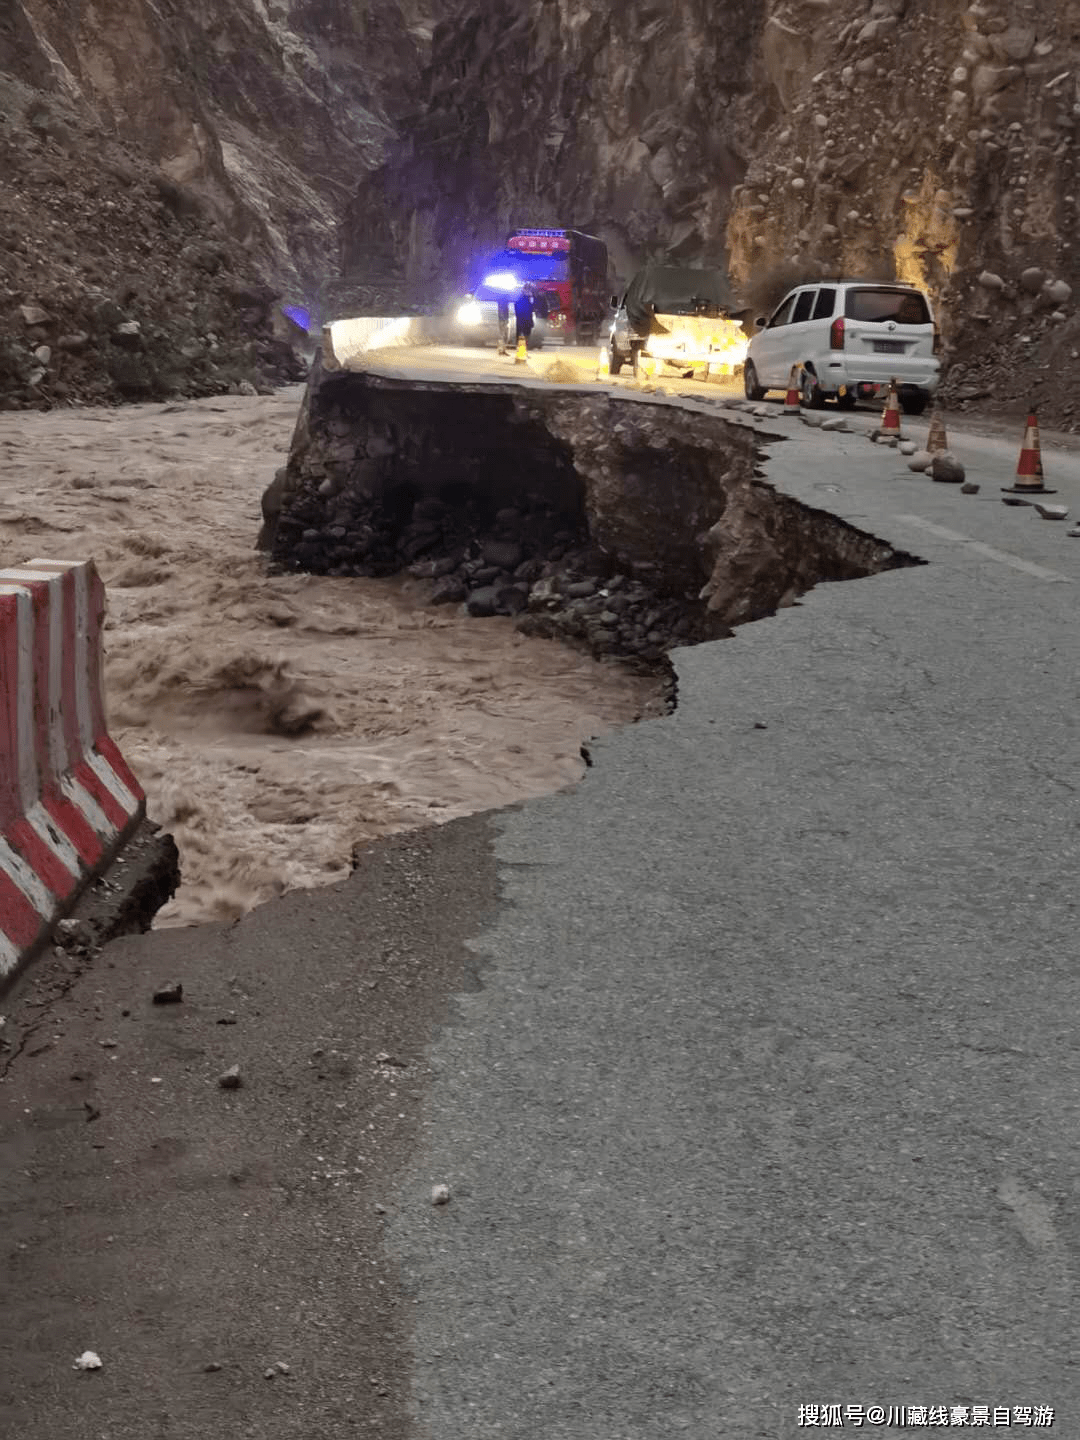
836 334
937 341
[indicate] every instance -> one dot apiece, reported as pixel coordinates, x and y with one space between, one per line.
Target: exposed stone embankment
626 528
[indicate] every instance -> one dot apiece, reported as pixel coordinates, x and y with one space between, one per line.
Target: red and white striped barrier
67 799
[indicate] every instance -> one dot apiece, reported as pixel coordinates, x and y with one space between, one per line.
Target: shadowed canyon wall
353 156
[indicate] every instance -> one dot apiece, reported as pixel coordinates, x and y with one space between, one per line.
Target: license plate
889 347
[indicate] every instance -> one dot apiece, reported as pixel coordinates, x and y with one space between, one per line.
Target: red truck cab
573 281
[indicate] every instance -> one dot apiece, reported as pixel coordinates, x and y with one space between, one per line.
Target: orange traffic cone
521 354
791 399
603 365
890 420
1029 471
936 440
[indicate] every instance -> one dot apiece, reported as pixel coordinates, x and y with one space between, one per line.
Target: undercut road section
750 1065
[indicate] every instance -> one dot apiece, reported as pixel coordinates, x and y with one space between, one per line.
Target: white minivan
849 338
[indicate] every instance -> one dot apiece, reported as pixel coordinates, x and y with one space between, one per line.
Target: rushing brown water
276 721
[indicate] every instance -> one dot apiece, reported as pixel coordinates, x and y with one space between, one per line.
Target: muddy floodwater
277 721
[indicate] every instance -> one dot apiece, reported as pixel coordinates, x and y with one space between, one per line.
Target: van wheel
913 404
751 387
846 401
812 396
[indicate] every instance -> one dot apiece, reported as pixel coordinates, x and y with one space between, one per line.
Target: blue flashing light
298 315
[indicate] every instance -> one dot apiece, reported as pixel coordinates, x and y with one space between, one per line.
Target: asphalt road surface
751 1064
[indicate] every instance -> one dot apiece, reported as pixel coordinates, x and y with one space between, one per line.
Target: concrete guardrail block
68 800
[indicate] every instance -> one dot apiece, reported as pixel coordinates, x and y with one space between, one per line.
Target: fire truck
569 270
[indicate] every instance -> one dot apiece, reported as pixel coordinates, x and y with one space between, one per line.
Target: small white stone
88 1360
440 1194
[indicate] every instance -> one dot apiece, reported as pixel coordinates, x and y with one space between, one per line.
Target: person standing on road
504 325
526 307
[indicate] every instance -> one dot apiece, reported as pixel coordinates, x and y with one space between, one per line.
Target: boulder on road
947 469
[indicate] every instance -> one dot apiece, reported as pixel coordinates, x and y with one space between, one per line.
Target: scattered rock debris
231 1079
440 1194
169 994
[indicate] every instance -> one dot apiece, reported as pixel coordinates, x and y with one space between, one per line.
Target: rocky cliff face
934 140
633 122
930 139
163 162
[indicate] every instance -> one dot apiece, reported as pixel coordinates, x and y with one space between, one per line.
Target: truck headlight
469 313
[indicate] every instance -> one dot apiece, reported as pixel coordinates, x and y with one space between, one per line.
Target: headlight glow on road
394 330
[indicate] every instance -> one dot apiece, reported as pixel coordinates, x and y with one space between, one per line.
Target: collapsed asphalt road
749 1064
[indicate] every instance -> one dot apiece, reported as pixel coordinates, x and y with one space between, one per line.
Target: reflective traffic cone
936 440
791 399
521 354
1029 471
603 365
890 420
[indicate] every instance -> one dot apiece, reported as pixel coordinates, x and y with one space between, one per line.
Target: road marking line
1027 566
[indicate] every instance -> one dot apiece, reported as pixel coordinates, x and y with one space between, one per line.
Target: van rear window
905 307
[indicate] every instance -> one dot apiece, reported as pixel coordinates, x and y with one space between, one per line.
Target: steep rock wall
170 170
630 121
265 110
934 140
